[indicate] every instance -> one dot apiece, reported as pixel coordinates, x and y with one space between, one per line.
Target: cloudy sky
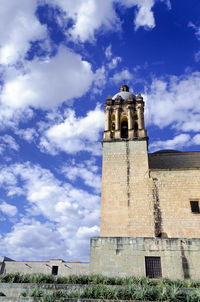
59 60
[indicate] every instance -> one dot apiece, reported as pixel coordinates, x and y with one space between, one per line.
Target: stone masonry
150 203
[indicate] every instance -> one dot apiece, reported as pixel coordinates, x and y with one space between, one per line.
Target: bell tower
126 195
124 116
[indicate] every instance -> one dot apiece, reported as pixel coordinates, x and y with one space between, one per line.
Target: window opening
153 267
136 126
54 270
194 206
124 129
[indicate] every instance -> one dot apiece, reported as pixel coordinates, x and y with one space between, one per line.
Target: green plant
37 292
160 292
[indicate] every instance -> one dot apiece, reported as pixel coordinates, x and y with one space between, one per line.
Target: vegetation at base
101 287
130 292
95 280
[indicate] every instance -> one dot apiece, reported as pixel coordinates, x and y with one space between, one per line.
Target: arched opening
112 117
136 126
124 127
113 126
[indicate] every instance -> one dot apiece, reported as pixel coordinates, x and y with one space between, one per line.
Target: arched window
124 127
113 126
112 117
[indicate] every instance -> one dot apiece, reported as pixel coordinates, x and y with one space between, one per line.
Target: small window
153 267
54 270
194 206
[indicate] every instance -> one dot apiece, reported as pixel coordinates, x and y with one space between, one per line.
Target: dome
124 95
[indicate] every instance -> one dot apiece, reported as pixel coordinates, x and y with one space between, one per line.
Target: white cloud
34 84
174 101
92 16
177 142
99 80
196 29
10 117
108 52
196 139
44 84
114 62
145 15
75 134
87 172
48 83
65 210
89 16
18 26
28 134
30 236
87 233
8 209
119 77
8 142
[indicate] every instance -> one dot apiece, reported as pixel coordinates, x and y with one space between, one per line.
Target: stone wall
175 189
44 267
16 289
148 195
126 201
115 256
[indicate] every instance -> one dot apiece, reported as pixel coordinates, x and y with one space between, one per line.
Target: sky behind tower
59 60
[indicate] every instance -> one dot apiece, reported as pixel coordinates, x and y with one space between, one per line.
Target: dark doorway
124 129
153 267
54 270
194 206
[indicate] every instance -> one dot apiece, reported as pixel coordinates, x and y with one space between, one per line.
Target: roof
167 151
172 159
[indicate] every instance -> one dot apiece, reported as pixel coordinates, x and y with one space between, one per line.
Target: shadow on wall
185 264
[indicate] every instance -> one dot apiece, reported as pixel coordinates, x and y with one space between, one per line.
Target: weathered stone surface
125 256
126 201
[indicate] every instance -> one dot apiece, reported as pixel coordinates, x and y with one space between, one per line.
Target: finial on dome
124 88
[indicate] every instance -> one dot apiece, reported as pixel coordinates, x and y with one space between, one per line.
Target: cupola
124 116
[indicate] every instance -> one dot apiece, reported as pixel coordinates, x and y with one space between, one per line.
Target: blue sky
59 60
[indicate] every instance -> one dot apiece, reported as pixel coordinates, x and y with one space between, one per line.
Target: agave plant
37 292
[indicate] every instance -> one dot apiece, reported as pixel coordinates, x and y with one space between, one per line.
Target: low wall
124 256
44 267
16 289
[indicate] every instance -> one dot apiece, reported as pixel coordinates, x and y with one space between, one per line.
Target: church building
150 205
150 211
